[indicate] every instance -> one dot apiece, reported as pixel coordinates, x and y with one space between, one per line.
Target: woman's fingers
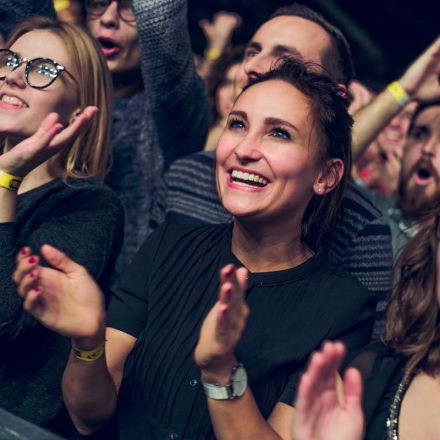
59 260
72 131
31 301
29 281
24 266
353 389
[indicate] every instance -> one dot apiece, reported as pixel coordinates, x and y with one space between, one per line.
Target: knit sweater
360 242
84 219
166 120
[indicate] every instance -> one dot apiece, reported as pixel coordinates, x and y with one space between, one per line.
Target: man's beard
413 201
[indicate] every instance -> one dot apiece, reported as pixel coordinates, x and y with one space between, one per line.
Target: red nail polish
23 251
38 289
32 260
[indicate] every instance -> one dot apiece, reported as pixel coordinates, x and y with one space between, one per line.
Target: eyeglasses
96 8
39 72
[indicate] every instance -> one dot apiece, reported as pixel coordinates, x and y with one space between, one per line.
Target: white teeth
13 100
236 174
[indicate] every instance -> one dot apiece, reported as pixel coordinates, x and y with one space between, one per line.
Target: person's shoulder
341 283
196 160
360 202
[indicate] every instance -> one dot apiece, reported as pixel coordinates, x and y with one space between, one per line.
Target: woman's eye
236 124
280 133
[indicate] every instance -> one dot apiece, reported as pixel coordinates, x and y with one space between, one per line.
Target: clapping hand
50 138
323 413
63 297
223 326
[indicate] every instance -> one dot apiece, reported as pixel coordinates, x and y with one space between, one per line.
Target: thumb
59 260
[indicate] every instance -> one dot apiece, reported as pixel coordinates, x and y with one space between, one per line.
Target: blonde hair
88 155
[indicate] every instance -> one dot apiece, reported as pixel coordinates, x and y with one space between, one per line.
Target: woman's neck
44 173
266 249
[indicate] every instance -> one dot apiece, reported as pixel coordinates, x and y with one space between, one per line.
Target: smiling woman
53 153
177 322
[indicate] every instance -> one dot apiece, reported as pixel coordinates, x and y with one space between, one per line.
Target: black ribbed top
163 298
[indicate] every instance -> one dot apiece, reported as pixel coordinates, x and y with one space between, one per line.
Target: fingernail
23 251
32 260
33 275
38 289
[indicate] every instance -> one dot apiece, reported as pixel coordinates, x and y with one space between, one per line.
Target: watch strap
226 392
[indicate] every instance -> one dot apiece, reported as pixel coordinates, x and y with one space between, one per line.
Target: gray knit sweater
168 119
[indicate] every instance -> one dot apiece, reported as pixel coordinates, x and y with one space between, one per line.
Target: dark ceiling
385 35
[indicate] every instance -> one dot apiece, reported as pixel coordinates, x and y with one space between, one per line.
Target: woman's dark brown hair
412 316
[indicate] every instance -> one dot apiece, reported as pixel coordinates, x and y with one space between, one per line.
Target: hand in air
64 297
218 32
321 412
422 78
223 326
50 138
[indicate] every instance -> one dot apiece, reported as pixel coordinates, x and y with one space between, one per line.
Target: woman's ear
329 177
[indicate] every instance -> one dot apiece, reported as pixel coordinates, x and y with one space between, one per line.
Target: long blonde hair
88 155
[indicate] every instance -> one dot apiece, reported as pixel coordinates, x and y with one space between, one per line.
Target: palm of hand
332 422
70 304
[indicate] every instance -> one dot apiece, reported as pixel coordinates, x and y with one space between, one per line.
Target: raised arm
19 161
220 333
177 100
420 82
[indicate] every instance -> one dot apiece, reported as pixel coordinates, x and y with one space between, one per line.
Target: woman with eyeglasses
55 102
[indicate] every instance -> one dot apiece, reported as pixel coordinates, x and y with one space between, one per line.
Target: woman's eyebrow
239 113
277 121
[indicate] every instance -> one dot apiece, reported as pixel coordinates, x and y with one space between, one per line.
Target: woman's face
225 92
22 107
266 158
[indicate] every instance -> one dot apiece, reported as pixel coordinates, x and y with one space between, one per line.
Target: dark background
384 35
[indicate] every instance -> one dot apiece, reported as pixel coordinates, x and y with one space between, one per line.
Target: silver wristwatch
235 388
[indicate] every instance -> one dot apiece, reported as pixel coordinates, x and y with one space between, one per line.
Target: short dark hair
336 59
332 124
419 109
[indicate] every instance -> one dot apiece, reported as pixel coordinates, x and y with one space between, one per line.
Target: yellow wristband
212 54
60 5
89 355
9 181
398 93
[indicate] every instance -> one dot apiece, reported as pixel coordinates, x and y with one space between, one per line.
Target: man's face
420 173
284 35
119 39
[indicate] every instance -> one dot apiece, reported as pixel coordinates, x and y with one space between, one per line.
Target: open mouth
423 175
109 47
249 179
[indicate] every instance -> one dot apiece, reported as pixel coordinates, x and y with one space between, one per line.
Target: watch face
239 381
